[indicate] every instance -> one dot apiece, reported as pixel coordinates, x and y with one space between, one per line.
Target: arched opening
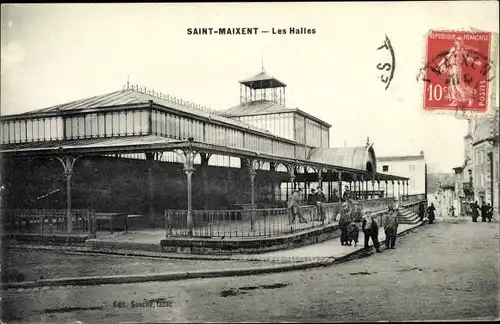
369 166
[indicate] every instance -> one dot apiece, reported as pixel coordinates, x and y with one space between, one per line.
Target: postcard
236 162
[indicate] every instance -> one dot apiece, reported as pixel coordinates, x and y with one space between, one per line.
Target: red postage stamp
457 71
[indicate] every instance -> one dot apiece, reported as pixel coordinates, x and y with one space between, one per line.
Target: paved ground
33 265
442 271
328 248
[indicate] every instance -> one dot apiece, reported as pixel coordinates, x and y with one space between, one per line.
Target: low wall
45 239
197 245
249 245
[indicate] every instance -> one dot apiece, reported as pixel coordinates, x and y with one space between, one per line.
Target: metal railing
49 221
260 222
412 198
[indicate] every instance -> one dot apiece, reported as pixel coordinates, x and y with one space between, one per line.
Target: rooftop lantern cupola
262 87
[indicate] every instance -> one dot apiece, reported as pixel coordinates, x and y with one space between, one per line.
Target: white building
447 197
411 166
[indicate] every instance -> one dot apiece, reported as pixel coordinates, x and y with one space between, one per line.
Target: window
385 168
100 125
144 122
123 124
130 122
109 125
29 125
23 130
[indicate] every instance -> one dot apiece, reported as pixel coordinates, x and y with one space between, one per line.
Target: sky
56 53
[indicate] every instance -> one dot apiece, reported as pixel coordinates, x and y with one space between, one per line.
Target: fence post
168 224
92 223
41 223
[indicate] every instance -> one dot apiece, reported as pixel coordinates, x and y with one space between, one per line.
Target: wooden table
112 217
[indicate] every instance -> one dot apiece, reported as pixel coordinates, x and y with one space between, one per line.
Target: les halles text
250 31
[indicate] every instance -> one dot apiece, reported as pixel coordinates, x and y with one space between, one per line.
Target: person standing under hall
335 196
320 201
312 200
294 209
344 220
484 211
431 213
347 194
391 228
370 229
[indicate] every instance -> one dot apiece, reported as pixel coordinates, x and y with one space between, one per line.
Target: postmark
388 65
458 71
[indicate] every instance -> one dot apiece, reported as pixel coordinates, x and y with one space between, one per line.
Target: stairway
406 216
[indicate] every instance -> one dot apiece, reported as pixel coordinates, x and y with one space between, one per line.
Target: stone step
411 218
414 219
411 215
407 215
410 222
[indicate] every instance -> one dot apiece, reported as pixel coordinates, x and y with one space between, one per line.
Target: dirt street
439 272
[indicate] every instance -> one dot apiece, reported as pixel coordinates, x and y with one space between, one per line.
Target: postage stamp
458 71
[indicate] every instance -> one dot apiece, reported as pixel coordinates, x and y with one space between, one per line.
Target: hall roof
262 81
129 97
350 157
264 107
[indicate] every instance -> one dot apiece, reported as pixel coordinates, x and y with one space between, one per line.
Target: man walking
391 228
344 221
294 209
370 229
451 211
431 213
489 214
484 211
475 211
421 211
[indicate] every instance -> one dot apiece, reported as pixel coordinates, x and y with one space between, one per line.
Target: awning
153 143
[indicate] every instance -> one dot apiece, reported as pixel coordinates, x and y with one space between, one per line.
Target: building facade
481 165
412 166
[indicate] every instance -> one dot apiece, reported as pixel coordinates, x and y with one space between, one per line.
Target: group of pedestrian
349 225
352 221
316 198
485 209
